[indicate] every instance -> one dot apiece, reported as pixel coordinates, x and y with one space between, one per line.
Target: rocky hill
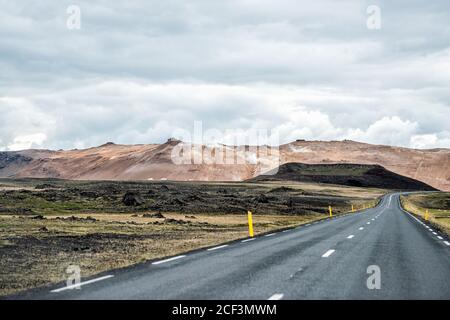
154 161
356 175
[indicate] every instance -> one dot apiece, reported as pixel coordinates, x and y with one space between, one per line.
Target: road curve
325 260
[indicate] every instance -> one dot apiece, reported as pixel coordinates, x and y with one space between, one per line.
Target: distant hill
153 162
356 175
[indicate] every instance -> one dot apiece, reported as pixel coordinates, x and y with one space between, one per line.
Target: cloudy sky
138 71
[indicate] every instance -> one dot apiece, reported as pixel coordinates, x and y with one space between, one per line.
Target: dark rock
262 198
153 215
282 189
175 221
132 199
192 197
44 186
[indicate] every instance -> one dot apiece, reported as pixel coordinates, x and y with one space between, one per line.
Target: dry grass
31 257
437 205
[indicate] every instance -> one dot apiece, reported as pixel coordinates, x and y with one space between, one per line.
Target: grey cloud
137 70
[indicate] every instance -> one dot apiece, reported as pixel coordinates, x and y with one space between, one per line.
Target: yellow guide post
331 211
426 215
250 224
353 209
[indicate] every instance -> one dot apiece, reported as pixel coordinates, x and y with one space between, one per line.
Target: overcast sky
136 71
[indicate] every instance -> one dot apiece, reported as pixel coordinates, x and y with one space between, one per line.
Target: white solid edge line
216 248
350 236
276 296
247 240
270 234
168 260
328 253
82 283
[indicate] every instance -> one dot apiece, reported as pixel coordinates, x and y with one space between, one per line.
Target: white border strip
77 285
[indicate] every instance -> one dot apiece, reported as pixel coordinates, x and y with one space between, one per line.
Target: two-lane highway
330 259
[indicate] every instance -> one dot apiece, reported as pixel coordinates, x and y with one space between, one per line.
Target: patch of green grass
437 204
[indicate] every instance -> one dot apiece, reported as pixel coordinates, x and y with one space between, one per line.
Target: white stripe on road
270 234
440 238
168 260
81 284
216 248
447 243
276 296
247 240
350 236
328 253
362 228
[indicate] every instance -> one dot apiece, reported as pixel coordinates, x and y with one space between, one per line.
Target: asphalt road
326 260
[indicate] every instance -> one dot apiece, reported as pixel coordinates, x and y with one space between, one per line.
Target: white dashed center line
350 236
276 296
368 222
362 228
328 253
216 248
168 260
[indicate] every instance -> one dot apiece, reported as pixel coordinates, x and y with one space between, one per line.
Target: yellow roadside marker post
250 224
331 211
426 215
353 209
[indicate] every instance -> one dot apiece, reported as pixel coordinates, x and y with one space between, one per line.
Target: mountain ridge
153 161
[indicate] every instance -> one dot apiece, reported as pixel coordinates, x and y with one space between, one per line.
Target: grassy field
438 205
45 226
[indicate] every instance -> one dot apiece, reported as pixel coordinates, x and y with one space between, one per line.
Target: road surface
325 260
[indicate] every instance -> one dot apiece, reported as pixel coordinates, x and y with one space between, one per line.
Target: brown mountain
154 161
